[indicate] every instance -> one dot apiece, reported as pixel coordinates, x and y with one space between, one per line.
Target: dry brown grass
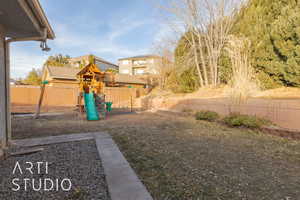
243 82
280 93
180 158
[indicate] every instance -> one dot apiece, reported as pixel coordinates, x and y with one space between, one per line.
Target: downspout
7 77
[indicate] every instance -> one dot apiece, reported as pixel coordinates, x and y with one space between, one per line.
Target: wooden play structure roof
90 69
68 72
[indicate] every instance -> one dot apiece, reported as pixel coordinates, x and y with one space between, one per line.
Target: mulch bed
294 135
77 161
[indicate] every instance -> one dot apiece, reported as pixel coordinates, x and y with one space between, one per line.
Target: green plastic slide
90 107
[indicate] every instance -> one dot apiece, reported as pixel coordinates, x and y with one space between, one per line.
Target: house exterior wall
3 91
137 66
125 67
58 83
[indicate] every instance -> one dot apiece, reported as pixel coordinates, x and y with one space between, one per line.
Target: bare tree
243 81
208 24
164 48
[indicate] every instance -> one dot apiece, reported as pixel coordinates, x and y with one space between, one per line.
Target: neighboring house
20 20
102 64
15 82
12 82
66 77
126 80
61 76
140 65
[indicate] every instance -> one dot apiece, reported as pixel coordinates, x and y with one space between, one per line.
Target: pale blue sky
110 29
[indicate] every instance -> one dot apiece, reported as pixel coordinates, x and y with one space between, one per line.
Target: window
125 71
125 62
139 62
142 62
139 71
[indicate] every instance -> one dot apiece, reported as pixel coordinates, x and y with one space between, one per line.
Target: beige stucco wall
3 120
123 67
151 68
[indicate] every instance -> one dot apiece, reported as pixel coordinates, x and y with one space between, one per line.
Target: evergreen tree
185 77
274 31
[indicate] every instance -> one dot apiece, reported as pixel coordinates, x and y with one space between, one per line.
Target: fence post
131 102
43 87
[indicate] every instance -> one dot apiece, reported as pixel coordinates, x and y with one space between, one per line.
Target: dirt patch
223 91
280 93
282 133
25 108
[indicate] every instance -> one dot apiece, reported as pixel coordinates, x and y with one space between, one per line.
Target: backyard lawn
177 157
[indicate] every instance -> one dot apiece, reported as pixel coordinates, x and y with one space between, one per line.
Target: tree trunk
197 61
204 66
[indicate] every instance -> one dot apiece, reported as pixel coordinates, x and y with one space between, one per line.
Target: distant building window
125 71
139 62
125 62
138 71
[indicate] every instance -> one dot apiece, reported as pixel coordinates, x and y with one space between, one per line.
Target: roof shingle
70 73
66 72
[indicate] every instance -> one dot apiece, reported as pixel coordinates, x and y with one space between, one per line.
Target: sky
110 29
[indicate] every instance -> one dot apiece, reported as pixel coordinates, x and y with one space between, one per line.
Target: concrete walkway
123 183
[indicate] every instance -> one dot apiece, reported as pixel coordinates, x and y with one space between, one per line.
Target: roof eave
40 14
63 78
137 58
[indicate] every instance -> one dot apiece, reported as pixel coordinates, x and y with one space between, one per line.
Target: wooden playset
91 84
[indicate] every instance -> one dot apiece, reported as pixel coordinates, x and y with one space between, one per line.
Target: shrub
207 115
245 121
273 29
187 110
267 81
